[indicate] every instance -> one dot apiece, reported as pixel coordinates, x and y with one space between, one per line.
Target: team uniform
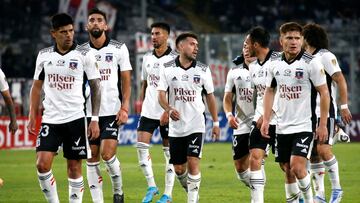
3 83
258 72
185 88
151 109
294 80
112 58
238 82
63 119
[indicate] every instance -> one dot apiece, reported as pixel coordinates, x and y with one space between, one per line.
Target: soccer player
152 115
238 84
295 71
316 43
60 70
5 92
185 79
115 69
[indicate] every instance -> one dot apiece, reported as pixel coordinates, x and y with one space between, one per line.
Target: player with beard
115 68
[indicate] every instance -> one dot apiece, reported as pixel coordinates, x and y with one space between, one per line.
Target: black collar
245 66
316 51
168 50
71 48
107 41
268 55
177 62
298 57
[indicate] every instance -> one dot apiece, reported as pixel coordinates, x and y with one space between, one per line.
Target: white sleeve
3 83
208 81
229 81
39 67
124 60
269 74
163 84
317 72
91 67
143 69
331 64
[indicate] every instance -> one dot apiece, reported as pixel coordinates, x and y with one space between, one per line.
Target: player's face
64 36
291 43
189 48
159 37
96 25
246 52
249 46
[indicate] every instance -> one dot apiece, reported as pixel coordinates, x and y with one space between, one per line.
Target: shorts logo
304 151
303 140
112 123
109 57
78 141
196 151
193 141
196 79
114 134
82 152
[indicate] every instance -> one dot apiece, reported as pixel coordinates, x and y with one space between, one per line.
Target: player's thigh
108 128
178 150
164 132
240 146
75 143
95 153
146 127
108 148
195 143
283 148
49 138
44 160
302 144
256 140
242 164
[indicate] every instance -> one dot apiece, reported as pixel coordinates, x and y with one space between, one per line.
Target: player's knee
315 159
43 167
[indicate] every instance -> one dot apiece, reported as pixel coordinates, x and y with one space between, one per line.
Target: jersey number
44 130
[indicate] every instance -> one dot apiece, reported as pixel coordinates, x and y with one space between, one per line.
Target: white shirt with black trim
63 76
3 83
112 58
331 66
238 82
294 90
150 71
185 95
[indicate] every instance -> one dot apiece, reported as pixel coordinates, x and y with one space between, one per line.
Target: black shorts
331 133
299 144
72 136
182 147
108 129
240 146
257 141
149 125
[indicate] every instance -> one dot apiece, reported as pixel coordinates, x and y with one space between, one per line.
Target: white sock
169 173
333 170
292 192
76 190
146 163
193 184
113 167
263 170
183 180
48 186
257 183
244 177
318 173
95 181
305 187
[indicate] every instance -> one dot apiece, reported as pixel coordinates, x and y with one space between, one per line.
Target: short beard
96 33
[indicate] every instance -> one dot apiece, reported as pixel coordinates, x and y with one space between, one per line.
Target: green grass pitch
219 182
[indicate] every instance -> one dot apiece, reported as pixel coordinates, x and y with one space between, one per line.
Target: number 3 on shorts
44 130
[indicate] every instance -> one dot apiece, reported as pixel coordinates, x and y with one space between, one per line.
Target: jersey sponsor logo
196 79
153 80
260 73
260 89
108 57
105 73
61 82
184 77
290 92
299 73
245 94
287 72
98 57
60 62
184 95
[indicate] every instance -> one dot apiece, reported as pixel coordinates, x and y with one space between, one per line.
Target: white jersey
150 71
185 95
294 90
331 67
112 58
63 76
258 73
3 83
238 82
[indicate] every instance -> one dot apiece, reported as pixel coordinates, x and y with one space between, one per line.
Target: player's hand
232 121
345 115
321 133
93 130
215 133
174 114
265 129
13 126
121 116
164 119
259 122
32 125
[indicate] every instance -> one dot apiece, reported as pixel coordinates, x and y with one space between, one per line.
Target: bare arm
122 115
35 94
93 130
227 105
211 102
338 77
321 131
143 90
10 106
173 113
268 104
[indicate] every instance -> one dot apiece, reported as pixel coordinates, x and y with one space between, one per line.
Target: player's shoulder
173 53
46 50
148 54
202 66
276 56
116 44
307 57
169 64
83 49
84 45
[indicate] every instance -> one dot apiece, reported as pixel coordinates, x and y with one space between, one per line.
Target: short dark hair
161 25
260 35
61 19
315 36
97 11
183 36
290 26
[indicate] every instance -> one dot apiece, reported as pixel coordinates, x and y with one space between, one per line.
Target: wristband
228 114
125 110
94 118
216 124
344 106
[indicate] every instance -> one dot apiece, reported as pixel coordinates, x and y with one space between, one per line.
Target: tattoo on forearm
95 96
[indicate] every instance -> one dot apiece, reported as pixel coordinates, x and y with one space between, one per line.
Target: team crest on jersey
196 79
299 73
184 77
98 57
73 64
109 57
287 72
60 62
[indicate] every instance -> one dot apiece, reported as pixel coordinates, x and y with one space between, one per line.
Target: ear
280 40
52 33
106 27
